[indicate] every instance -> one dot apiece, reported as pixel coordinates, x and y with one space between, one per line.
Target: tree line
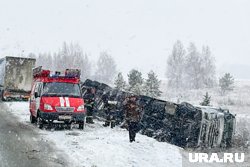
193 69
186 68
138 85
104 70
72 56
190 68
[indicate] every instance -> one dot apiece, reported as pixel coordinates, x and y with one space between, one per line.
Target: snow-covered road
104 147
21 145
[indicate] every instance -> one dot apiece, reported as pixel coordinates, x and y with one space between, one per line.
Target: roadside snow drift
99 146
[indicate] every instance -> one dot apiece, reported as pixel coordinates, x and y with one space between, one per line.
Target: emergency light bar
69 73
72 73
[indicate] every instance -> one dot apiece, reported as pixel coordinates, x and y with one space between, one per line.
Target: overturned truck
182 124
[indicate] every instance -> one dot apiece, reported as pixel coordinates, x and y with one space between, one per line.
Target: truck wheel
68 125
1 95
40 122
112 125
81 125
32 119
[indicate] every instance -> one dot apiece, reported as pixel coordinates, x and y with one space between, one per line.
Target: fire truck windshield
61 89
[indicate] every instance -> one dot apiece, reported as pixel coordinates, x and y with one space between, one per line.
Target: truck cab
56 97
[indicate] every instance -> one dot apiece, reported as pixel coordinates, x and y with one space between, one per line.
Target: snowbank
105 147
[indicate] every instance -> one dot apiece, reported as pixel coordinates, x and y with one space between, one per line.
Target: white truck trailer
15 77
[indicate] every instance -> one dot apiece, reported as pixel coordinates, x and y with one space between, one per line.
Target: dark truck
15 78
181 124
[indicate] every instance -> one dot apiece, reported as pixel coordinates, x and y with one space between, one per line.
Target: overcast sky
137 33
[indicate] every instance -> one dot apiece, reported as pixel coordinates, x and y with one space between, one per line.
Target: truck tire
68 125
81 125
40 121
32 119
1 95
1 98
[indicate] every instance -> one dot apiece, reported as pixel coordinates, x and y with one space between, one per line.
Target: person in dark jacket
132 117
110 108
89 99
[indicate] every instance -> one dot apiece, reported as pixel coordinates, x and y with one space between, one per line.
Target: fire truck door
37 96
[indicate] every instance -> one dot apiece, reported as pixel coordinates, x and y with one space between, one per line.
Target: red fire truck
56 98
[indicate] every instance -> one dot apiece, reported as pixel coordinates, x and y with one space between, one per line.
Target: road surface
21 146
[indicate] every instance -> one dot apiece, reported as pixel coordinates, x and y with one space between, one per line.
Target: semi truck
15 78
181 124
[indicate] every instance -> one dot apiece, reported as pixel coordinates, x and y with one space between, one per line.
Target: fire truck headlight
47 107
80 108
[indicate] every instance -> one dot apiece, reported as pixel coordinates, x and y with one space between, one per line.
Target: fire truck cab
56 97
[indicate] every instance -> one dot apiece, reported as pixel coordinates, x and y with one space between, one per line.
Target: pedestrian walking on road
132 117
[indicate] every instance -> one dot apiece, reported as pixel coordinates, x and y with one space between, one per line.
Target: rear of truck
16 78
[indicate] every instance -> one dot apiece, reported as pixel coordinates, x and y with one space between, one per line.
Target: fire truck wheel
39 122
32 119
69 125
2 98
81 125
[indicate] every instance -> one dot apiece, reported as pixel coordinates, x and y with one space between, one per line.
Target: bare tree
106 68
45 60
176 65
208 67
72 56
69 56
193 68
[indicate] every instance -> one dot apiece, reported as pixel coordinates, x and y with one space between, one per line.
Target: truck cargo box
16 76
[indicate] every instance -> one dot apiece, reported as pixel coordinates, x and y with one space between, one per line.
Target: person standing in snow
132 116
89 99
110 108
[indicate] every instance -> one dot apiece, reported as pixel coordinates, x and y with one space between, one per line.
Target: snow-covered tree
137 89
152 85
81 61
176 65
208 67
63 58
45 60
106 68
226 83
120 83
193 68
69 56
135 82
206 100
72 56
